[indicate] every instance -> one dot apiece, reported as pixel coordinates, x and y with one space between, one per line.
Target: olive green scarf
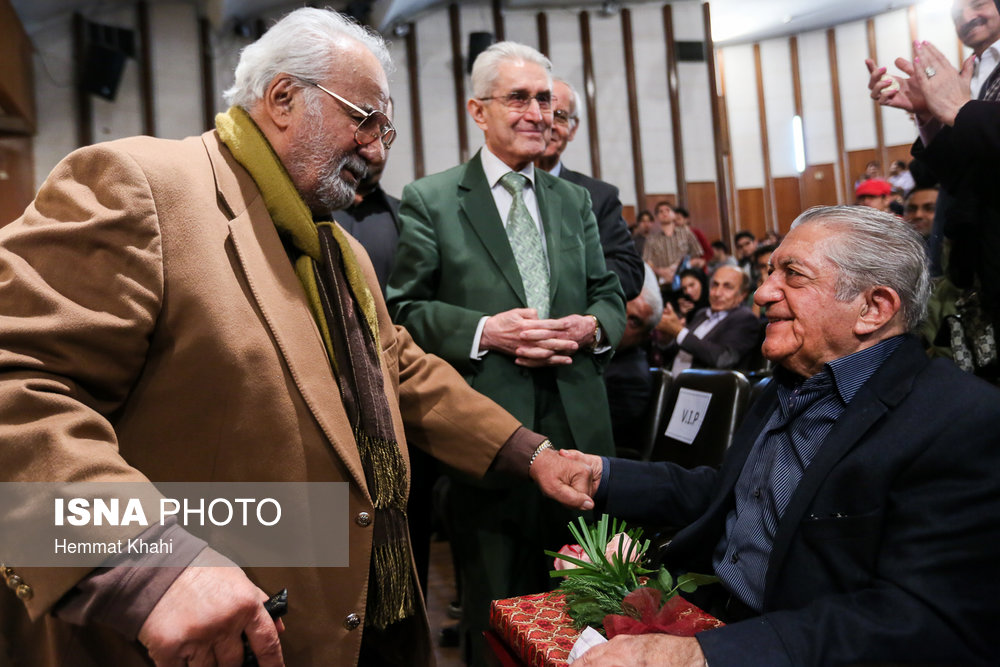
344 310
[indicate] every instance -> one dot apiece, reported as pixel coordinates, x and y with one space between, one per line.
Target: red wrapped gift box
537 629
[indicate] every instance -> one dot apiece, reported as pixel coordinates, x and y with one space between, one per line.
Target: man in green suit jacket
465 292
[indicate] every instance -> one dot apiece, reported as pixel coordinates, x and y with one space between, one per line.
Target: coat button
13 581
363 519
24 592
352 621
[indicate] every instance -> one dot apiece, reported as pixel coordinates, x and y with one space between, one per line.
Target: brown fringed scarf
344 310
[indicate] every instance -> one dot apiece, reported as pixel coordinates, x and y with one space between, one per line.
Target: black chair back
701 434
662 384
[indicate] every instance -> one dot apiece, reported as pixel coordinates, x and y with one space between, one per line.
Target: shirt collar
556 170
848 373
495 168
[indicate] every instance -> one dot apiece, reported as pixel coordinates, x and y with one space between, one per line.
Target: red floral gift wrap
538 630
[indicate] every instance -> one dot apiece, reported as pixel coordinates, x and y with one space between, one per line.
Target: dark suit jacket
454 265
887 551
730 344
619 251
375 224
964 158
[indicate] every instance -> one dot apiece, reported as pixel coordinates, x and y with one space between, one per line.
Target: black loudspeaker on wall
478 42
107 47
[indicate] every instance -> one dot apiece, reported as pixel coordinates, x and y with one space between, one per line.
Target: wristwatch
598 333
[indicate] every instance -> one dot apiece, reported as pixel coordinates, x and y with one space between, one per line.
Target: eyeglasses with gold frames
374 125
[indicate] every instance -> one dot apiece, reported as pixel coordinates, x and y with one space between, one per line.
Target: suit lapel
278 294
883 391
476 205
550 208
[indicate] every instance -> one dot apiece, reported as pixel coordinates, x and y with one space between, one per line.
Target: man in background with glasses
187 311
619 249
500 271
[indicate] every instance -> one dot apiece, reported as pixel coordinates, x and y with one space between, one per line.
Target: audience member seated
900 177
746 243
720 336
684 220
873 193
758 270
668 243
720 257
918 211
693 295
628 377
644 224
854 519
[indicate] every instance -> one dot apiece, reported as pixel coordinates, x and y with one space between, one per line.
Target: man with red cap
873 193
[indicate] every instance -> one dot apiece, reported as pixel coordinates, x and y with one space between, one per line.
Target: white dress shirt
684 359
985 64
495 169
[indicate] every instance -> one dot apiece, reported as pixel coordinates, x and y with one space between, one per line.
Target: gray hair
299 45
651 294
574 97
486 68
875 248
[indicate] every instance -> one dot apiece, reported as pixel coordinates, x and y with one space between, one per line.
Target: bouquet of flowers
606 585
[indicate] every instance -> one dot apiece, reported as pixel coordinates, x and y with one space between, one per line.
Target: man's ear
279 100
574 126
878 309
477 109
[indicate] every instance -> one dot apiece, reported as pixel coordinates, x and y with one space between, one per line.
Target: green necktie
526 242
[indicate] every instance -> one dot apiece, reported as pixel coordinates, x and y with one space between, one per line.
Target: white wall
177 89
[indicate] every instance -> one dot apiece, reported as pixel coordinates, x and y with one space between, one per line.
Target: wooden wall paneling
146 104
458 74
819 185
633 106
897 152
876 107
84 105
844 180
793 52
499 29
18 113
727 232
703 204
857 160
416 117
206 61
751 210
673 94
713 87
17 176
788 202
770 216
590 95
542 21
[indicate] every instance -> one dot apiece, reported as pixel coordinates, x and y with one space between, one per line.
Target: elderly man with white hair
187 311
500 271
854 519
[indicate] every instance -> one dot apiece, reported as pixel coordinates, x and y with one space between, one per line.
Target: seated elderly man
720 336
854 519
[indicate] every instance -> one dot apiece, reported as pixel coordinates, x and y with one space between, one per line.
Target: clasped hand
933 88
534 342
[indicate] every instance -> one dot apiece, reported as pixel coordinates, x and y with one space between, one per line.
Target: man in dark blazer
723 335
619 250
531 331
854 520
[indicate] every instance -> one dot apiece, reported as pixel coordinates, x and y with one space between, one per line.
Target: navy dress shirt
806 412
